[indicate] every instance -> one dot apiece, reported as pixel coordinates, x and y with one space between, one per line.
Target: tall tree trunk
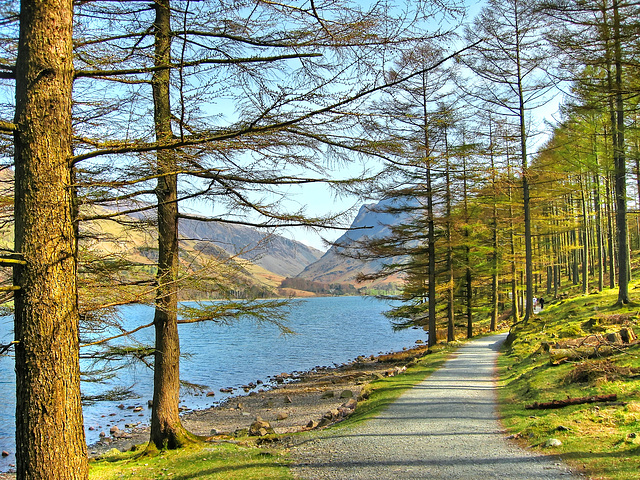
50 441
598 210
431 229
467 251
512 244
585 238
610 235
451 334
620 166
526 201
166 428
494 246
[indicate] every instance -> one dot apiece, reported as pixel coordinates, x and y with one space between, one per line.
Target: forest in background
147 106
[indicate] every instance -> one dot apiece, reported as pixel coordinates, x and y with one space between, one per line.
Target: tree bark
451 334
512 244
166 428
494 233
620 167
50 441
585 237
467 252
526 202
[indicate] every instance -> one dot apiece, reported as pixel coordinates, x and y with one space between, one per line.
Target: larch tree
597 41
290 86
50 442
510 75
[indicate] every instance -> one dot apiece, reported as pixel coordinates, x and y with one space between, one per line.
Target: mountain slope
336 268
272 252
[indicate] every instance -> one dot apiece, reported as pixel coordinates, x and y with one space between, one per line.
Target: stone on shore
260 428
350 404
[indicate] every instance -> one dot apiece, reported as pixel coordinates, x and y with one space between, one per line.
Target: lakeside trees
284 112
298 94
573 190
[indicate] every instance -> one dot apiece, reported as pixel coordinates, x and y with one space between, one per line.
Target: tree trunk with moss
166 429
50 441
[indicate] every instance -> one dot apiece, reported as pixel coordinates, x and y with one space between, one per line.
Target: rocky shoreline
297 401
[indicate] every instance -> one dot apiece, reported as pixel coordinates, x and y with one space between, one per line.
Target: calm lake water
328 330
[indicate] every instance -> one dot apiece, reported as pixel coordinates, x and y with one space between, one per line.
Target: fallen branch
572 401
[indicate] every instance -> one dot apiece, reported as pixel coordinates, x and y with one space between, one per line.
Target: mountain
272 252
370 222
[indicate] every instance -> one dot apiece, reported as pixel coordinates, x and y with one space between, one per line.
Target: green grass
600 440
222 461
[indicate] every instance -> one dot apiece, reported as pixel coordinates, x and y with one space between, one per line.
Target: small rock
328 394
632 435
149 403
211 394
552 442
260 428
5 453
346 394
213 432
562 428
114 430
350 404
312 424
137 409
102 434
91 429
282 416
287 399
240 406
121 406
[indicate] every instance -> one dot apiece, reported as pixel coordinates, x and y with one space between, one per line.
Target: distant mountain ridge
272 252
372 222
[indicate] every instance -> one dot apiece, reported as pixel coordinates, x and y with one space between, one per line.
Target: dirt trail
444 428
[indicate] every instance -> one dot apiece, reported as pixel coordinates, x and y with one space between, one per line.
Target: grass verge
547 360
221 461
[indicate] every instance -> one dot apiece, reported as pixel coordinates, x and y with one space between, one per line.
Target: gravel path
444 428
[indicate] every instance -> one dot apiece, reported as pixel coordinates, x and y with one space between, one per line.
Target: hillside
557 366
272 252
336 268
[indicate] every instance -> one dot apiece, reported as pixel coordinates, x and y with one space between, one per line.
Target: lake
329 330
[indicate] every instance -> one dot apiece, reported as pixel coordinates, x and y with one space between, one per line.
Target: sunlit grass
601 440
222 461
